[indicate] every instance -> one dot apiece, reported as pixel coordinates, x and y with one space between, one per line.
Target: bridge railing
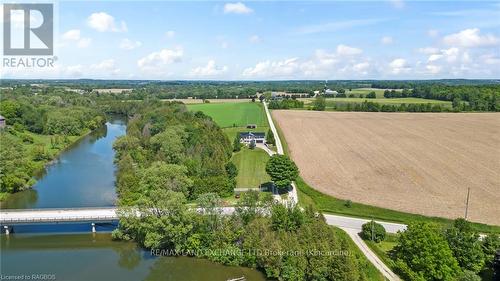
58 219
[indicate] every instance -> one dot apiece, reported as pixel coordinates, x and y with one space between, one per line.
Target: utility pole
467 204
373 225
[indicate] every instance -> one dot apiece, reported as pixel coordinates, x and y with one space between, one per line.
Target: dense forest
167 145
37 128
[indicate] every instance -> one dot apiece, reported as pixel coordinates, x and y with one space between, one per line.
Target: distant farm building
249 137
330 92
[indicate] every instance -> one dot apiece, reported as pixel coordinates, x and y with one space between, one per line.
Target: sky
266 40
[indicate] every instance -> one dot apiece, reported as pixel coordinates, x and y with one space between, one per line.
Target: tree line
286 243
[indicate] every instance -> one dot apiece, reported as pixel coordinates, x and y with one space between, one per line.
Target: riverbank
66 173
44 150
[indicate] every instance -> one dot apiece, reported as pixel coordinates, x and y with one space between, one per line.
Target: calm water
84 177
96 257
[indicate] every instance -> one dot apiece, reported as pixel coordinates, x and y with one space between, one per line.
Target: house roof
254 134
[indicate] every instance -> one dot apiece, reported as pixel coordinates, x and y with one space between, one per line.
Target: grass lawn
369 270
251 167
233 114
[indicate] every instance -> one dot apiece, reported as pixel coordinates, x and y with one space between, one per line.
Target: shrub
373 231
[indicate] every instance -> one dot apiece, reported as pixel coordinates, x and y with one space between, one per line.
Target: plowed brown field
414 162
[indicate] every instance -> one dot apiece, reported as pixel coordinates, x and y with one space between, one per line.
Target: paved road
356 223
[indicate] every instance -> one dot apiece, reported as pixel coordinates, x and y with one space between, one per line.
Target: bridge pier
93 228
7 230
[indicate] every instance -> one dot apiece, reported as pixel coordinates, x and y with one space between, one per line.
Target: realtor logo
38 32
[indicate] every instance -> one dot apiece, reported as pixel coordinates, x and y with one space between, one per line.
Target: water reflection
83 175
96 257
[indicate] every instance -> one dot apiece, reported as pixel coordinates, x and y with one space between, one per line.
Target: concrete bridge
9 218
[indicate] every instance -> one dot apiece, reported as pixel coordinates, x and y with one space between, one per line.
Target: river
83 176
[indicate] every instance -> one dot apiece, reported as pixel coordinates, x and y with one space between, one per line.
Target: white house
248 137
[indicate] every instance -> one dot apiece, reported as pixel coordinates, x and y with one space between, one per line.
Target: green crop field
365 91
233 114
251 167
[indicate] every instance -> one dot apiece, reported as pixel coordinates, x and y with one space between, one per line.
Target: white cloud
84 43
273 69
343 62
161 58
398 4
345 50
339 25
428 50
128 44
211 69
386 40
361 67
237 8
433 69
74 35
103 22
399 66
74 70
470 38
254 39
433 33
170 34
434 57
106 66
224 45
490 59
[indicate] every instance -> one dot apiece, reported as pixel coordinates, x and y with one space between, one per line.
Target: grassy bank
371 273
40 150
383 248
